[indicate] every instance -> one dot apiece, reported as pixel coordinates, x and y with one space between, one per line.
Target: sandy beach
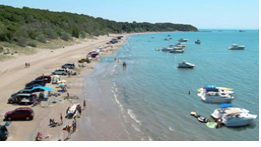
14 76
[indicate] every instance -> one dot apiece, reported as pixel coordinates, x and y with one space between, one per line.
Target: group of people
124 63
27 64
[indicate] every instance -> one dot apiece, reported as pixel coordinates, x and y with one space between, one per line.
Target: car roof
23 108
25 94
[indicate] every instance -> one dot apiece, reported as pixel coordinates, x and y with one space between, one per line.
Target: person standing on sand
61 117
84 104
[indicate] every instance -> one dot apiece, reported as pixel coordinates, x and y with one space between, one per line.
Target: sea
152 94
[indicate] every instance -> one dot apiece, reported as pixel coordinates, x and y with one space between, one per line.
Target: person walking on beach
68 129
74 126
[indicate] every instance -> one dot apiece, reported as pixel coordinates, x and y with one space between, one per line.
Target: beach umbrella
61 84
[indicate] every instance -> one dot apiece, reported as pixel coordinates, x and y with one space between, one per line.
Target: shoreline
14 76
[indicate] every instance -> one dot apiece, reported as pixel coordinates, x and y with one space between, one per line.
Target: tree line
25 25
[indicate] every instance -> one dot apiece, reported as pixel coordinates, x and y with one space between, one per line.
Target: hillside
26 26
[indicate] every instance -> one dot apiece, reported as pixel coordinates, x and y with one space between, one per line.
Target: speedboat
185 64
197 42
176 51
211 94
236 47
183 40
233 116
180 44
167 49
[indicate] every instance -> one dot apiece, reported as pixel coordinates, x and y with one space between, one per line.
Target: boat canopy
42 87
210 88
225 105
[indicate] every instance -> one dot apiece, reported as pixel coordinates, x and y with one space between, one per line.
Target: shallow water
152 93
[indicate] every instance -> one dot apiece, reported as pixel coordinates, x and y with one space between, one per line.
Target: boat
157 49
183 40
176 51
72 111
176 47
167 49
236 47
220 88
185 64
233 116
197 42
211 94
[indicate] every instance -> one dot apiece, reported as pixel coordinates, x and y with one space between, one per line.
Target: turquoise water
152 93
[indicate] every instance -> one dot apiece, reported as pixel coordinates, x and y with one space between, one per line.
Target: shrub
65 36
32 44
41 38
1 49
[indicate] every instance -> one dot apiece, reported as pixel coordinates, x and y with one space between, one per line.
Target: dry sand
14 76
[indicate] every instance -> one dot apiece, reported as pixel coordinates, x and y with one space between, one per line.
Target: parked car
68 65
59 72
26 98
46 78
34 82
20 113
23 91
84 60
93 54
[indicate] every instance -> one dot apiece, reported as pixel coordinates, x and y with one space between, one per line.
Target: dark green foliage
65 36
19 25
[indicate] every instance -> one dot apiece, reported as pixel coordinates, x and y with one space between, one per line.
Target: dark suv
69 65
23 91
22 98
35 83
46 78
20 113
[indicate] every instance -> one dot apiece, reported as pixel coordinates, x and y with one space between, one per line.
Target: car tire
27 118
9 118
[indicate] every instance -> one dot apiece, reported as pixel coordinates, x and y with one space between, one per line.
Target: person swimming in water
124 65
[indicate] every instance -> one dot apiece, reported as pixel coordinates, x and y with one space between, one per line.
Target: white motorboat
185 64
233 116
236 47
211 94
183 40
180 45
168 49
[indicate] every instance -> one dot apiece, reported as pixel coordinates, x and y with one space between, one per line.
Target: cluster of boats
226 114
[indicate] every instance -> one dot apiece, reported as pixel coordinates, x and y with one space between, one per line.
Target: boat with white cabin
185 64
211 94
236 47
233 116
183 40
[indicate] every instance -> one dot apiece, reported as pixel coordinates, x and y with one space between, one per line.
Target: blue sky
226 14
